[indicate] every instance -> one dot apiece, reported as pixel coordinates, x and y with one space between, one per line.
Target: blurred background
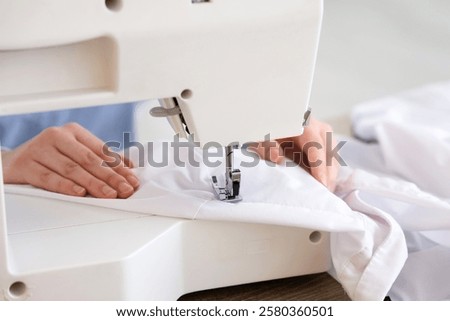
372 48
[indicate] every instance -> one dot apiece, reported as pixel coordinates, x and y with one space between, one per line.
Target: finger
84 166
119 164
291 150
88 139
314 154
40 176
114 157
127 174
328 165
66 167
333 165
316 161
127 162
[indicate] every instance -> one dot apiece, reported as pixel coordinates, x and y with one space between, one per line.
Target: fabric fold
410 135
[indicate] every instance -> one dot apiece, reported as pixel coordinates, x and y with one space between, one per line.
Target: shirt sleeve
111 123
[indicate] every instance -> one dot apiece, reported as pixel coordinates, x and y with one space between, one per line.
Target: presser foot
223 194
229 193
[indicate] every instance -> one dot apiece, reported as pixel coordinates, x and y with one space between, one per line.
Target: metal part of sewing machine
230 192
214 60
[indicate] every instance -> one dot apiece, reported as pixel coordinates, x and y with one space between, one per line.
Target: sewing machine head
227 70
239 69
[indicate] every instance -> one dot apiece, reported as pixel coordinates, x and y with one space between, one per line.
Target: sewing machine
224 70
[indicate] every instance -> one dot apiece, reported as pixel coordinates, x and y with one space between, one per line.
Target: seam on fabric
199 208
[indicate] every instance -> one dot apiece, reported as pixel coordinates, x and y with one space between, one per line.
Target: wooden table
316 287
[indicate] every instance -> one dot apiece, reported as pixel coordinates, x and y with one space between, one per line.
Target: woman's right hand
72 161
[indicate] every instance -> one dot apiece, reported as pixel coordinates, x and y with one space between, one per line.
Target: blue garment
109 123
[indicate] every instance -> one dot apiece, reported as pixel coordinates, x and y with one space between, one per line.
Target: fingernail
125 188
79 190
108 191
133 180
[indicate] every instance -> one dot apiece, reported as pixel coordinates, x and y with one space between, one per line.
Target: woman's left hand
308 150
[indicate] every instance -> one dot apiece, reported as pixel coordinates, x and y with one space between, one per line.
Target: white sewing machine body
239 69
64 252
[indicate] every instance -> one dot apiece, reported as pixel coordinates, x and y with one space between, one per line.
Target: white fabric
413 131
368 247
411 181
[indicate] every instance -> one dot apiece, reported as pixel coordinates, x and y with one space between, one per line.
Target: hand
72 161
308 150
